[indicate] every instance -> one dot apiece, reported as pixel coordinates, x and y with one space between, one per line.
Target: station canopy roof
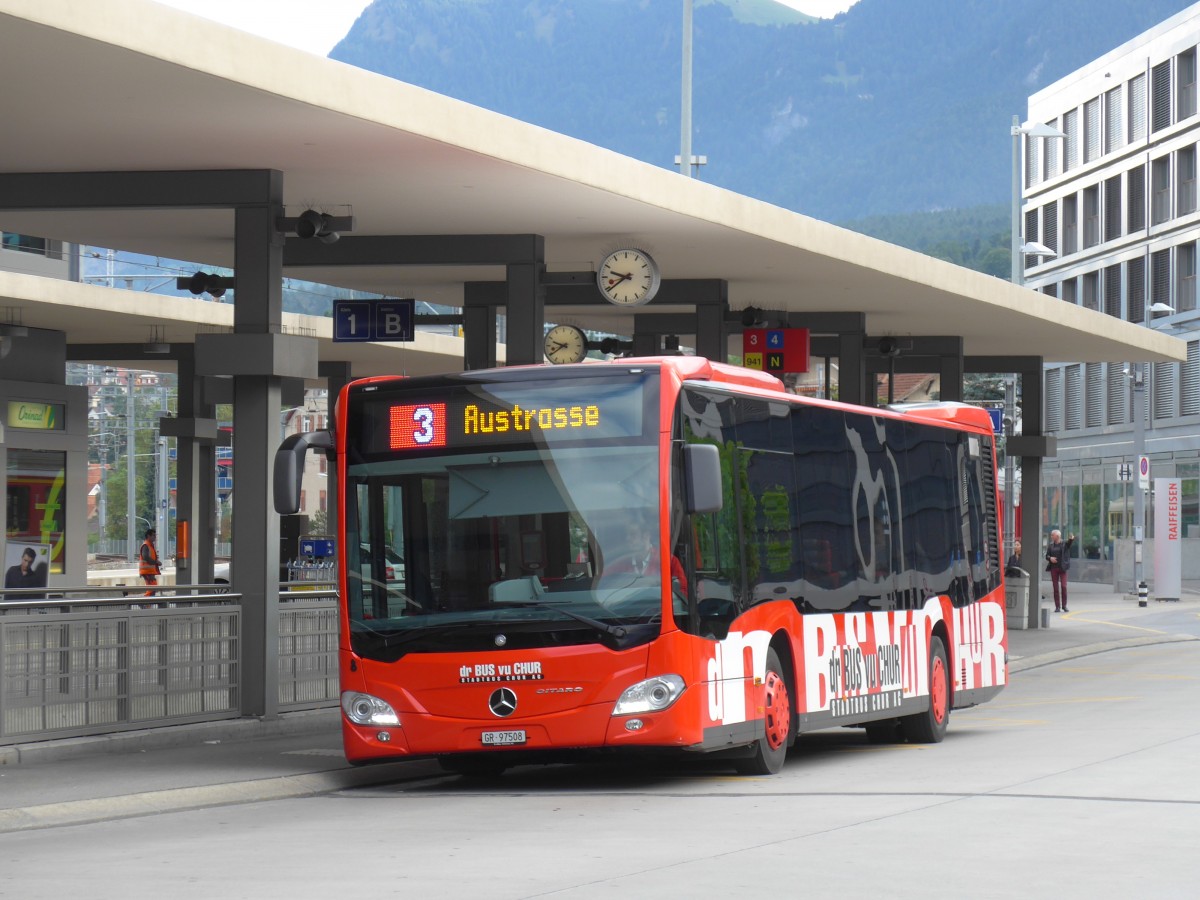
129 85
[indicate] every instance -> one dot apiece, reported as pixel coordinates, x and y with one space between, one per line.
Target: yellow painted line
1028 703
1075 618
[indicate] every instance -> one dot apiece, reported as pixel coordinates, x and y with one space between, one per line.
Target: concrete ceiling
128 85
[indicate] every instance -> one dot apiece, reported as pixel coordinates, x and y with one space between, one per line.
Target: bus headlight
364 709
651 695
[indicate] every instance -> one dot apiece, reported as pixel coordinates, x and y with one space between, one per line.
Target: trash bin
1016 600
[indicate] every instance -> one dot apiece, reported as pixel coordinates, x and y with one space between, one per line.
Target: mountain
894 106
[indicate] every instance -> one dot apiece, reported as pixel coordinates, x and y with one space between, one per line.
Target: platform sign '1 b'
373 320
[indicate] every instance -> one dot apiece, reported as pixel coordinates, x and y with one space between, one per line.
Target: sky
316 25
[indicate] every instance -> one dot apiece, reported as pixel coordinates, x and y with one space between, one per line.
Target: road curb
1055 656
106 809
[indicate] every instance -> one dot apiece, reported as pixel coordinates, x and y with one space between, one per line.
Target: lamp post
1019 248
1036 129
1139 450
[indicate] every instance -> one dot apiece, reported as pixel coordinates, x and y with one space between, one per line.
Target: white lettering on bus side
727 674
979 630
876 653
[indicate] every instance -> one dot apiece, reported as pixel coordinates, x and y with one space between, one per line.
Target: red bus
653 554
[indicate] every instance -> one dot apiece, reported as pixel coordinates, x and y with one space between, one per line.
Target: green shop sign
42 416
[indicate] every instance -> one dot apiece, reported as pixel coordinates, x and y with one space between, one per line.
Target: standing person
1058 563
149 564
1013 569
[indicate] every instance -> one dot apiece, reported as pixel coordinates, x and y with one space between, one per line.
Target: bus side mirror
289 468
702 478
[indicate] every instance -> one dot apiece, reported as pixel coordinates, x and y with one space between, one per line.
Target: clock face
628 277
565 344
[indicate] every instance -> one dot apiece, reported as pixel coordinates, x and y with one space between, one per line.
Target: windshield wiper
617 631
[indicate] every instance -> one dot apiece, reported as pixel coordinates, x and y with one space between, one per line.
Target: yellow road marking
1075 618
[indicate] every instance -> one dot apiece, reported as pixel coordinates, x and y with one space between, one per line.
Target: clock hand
625 276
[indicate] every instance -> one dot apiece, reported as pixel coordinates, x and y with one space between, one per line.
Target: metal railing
86 661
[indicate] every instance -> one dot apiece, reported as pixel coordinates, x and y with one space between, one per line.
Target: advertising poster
26 565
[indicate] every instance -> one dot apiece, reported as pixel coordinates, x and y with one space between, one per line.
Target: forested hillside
895 106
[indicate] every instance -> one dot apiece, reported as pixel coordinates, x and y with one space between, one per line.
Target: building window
1091 130
1072 400
1160 190
1114 119
1031 235
1160 277
1185 95
1031 160
1053 400
303 500
1050 226
1070 291
1050 290
1050 152
1135 182
1091 291
1112 208
1164 390
23 243
1118 391
324 501
1185 170
1160 96
1135 280
1071 129
1070 224
1112 291
1189 393
1137 108
1094 400
1091 216
1185 277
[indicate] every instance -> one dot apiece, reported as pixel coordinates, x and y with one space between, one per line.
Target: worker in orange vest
148 562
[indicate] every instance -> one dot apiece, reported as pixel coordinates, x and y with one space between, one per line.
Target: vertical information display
779 351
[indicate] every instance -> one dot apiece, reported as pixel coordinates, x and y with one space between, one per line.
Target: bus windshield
513 514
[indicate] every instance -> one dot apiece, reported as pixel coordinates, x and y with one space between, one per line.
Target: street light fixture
1038 130
1139 450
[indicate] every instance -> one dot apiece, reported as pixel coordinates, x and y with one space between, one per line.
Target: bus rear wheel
770 750
929 727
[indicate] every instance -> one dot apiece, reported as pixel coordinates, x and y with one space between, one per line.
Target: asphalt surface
79 780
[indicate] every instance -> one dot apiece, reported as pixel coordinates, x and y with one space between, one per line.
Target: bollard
1143 592
1045 617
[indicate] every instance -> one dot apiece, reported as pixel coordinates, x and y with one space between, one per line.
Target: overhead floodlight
1033 248
1161 308
1040 129
206 283
751 317
312 224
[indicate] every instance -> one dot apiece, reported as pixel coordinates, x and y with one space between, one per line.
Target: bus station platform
80 780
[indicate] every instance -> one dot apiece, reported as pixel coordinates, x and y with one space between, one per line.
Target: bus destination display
509 414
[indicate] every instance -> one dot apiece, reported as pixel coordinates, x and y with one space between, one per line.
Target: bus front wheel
929 727
770 750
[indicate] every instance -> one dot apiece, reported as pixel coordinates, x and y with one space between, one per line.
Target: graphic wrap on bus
574 580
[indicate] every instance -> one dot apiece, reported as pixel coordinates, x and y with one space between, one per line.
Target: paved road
1078 779
1078 782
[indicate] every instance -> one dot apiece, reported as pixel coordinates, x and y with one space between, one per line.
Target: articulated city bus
653 554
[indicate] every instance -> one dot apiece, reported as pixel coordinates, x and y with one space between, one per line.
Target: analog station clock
565 344
628 277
